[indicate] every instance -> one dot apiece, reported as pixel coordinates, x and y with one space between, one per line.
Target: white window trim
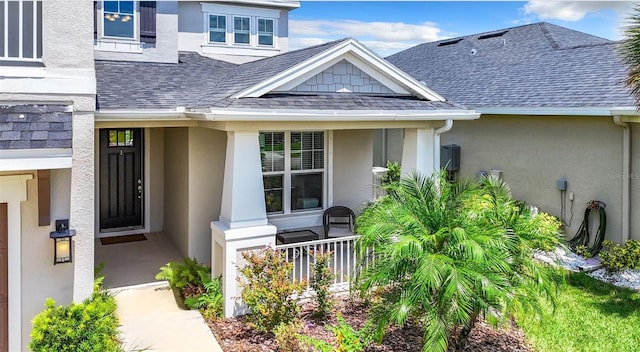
287 173
248 31
136 25
231 11
226 28
273 33
5 56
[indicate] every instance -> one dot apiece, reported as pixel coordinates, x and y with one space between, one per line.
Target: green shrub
391 178
321 281
182 274
87 326
347 339
210 302
267 288
619 256
287 336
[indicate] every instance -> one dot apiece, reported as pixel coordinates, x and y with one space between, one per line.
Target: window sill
212 48
119 46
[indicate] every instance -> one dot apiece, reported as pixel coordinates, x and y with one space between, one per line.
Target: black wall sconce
62 251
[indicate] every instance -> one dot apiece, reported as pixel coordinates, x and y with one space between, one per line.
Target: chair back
338 215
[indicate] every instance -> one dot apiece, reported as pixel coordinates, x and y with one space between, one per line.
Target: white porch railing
343 263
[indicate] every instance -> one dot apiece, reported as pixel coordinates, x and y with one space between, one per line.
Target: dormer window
119 19
265 32
242 30
217 29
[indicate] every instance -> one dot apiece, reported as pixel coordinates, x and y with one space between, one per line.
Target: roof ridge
547 34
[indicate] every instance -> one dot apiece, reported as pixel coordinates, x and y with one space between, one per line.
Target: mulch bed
234 335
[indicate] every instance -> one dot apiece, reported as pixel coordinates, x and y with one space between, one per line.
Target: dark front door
4 278
121 187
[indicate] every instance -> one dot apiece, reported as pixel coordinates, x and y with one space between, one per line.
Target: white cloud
572 10
383 37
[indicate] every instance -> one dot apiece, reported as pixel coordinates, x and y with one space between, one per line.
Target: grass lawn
590 316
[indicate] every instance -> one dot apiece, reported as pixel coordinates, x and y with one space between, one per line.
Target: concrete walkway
152 321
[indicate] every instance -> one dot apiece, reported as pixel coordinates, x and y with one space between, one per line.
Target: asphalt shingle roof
537 65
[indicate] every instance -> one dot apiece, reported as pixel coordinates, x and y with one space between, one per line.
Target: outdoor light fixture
62 252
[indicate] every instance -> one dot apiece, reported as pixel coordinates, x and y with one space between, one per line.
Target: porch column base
227 244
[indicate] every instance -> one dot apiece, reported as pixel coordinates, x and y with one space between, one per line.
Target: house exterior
187 118
194 120
553 106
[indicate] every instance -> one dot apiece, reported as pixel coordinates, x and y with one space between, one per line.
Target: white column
243 217
13 190
417 151
243 191
82 210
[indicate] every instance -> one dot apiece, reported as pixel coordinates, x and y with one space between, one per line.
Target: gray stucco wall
534 152
176 187
166 46
207 150
352 162
66 43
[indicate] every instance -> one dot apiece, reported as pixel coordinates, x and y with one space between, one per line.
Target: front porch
135 263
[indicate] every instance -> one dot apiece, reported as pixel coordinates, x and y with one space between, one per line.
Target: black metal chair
340 218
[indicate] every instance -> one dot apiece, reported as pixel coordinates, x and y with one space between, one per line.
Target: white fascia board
630 113
276 3
332 55
338 115
134 115
35 159
551 111
223 9
42 80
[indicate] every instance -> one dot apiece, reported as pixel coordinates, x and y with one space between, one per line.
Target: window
120 138
265 32
217 29
21 30
293 170
119 19
242 30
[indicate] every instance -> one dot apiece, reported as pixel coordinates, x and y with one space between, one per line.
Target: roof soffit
356 54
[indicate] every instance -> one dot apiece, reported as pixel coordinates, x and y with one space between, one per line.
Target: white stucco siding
176 187
352 163
635 181
40 278
62 37
206 173
534 152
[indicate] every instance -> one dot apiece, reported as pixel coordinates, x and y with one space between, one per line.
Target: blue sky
390 26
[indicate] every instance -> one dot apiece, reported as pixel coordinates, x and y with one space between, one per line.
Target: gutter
626 176
436 143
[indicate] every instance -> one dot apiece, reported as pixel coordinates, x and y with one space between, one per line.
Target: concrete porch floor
134 263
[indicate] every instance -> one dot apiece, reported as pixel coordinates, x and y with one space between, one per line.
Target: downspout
626 176
436 143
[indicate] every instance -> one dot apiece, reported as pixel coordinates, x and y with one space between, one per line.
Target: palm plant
444 258
630 50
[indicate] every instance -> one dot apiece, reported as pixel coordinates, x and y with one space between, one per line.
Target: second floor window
21 30
217 29
242 30
265 32
119 19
